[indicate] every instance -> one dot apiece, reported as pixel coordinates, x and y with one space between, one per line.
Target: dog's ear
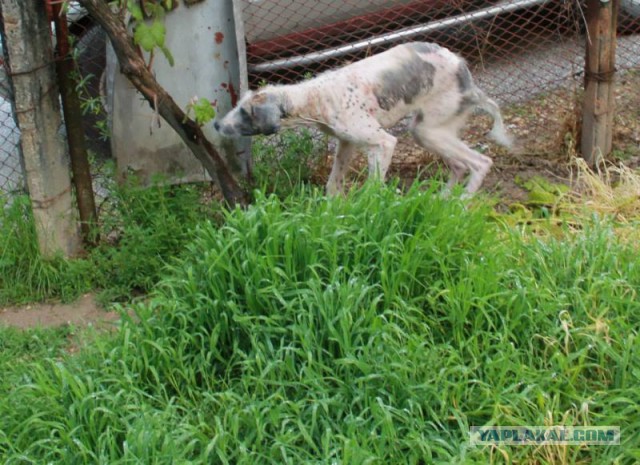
266 117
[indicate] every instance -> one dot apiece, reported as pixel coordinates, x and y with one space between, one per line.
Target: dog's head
257 113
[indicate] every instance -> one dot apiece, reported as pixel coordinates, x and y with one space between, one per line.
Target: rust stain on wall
231 90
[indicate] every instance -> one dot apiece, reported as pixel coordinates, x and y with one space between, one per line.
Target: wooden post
37 107
599 100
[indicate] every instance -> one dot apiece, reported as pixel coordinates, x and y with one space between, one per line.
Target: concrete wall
202 41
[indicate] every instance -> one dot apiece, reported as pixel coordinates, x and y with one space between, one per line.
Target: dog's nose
216 125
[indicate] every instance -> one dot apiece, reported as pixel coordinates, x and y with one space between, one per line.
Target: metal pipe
72 112
407 33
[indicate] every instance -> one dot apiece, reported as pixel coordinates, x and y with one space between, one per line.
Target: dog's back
405 79
418 76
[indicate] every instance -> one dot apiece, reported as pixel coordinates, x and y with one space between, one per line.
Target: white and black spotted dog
358 102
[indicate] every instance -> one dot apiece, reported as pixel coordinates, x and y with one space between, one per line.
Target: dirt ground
547 138
83 312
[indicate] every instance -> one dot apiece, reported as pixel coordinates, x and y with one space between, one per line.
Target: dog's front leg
379 154
344 154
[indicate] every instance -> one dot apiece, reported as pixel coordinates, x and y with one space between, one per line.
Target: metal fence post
37 107
599 99
72 111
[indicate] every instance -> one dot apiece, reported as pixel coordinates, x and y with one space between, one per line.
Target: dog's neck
294 102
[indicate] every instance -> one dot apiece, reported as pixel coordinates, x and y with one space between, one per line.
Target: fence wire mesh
11 173
287 39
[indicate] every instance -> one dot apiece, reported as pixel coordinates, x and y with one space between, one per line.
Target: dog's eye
243 112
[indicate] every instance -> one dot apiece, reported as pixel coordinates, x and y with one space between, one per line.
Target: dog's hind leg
478 164
423 136
344 154
457 155
458 172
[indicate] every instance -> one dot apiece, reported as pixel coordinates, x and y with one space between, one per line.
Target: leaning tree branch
133 66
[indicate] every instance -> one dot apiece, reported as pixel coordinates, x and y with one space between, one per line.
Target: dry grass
609 190
612 191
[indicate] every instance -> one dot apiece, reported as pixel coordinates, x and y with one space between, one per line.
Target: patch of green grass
19 348
24 275
146 228
375 328
152 226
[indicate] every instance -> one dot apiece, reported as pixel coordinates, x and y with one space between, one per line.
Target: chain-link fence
11 173
518 47
89 50
627 136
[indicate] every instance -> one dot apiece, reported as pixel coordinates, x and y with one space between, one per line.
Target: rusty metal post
599 100
72 111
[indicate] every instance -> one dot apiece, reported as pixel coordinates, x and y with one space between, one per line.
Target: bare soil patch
83 312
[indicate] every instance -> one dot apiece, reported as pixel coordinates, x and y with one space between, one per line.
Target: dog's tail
498 132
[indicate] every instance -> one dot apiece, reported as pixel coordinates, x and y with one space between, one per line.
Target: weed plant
375 328
151 225
283 162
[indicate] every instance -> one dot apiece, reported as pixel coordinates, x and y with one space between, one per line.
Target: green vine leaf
202 109
150 35
143 37
167 54
135 10
158 32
